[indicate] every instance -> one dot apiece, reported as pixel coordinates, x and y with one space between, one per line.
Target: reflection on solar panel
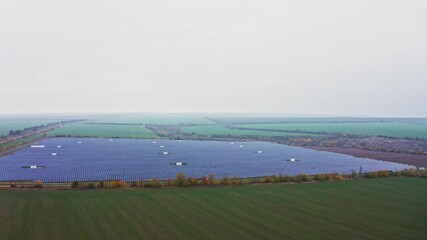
133 159
37 146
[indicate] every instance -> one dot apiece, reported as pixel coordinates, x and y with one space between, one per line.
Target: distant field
258 119
391 208
248 120
103 130
18 124
137 118
393 129
210 130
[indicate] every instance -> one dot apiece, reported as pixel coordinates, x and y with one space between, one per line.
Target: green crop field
21 141
210 130
391 208
393 129
18 124
141 118
110 126
241 119
103 130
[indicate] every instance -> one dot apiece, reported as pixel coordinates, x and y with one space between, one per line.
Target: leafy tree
181 180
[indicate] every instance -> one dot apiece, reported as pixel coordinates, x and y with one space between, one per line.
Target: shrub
295 179
38 184
74 184
268 179
226 181
81 185
134 184
371 175
118 184
330 176
209 180
102 184
410 173
194 181
320 177
283 178
236 181
245 181
112 184
186 183
90 185
304 177
254 180
384 173
300 178
169 183
377 174
182 181
337 177
156 183
153 183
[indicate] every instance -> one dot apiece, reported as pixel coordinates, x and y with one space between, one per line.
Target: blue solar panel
132 159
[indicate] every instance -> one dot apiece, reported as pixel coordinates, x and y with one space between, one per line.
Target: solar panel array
90 159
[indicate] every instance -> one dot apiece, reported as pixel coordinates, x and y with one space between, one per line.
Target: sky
364 57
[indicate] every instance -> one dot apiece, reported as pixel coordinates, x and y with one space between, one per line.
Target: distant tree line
37 128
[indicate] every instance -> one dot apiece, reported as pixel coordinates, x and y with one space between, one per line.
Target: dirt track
411 159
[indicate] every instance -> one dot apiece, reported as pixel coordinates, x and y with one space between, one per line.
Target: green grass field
18 142
242 119
18 124
392 208
393 129
141 118
210 130
103 130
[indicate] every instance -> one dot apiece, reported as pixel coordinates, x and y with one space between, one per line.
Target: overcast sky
317 57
